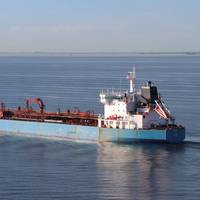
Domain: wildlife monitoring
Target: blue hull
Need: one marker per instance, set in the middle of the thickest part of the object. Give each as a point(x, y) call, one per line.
point(89, 133)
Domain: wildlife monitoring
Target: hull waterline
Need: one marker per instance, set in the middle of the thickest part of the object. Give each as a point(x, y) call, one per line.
point(92, 133)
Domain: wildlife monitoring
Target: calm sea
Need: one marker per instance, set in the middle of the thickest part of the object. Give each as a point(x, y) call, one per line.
point(38, 168)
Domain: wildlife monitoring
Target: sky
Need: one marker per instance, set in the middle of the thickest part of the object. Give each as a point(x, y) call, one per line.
point(99, 25)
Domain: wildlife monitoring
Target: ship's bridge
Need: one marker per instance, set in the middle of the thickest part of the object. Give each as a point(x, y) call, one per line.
point(114, 103)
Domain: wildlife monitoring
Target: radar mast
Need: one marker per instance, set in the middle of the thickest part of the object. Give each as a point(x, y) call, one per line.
point(131, 77)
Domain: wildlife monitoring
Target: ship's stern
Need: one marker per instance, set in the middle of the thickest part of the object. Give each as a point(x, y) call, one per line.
point(175, 134)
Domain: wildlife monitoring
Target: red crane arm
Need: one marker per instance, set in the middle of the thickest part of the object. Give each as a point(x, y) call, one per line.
point(36, 101)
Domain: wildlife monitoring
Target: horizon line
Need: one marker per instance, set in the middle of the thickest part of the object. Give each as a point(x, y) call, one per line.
point(101, 52)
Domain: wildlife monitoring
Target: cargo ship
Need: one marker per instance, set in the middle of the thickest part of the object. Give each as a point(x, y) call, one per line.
point(129, 116)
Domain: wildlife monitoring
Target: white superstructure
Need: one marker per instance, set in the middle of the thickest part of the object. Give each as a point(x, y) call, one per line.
point(134, 110)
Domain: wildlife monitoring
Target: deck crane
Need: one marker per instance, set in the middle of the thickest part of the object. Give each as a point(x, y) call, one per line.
point(36, 101)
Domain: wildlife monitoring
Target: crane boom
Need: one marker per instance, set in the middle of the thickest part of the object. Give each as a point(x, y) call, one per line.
point(37, 101)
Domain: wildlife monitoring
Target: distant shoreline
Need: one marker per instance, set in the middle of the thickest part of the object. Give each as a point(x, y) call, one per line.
point(75, 54)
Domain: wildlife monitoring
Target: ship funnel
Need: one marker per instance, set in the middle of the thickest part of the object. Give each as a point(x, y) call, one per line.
point(131, 77)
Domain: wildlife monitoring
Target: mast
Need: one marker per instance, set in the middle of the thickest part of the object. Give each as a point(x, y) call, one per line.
point(131, 77)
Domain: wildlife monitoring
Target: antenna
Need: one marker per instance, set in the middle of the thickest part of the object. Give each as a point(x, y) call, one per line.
point(120, 82)
point(131, 77)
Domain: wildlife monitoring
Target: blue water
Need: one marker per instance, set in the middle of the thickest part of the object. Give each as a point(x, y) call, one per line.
point(37, 168)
